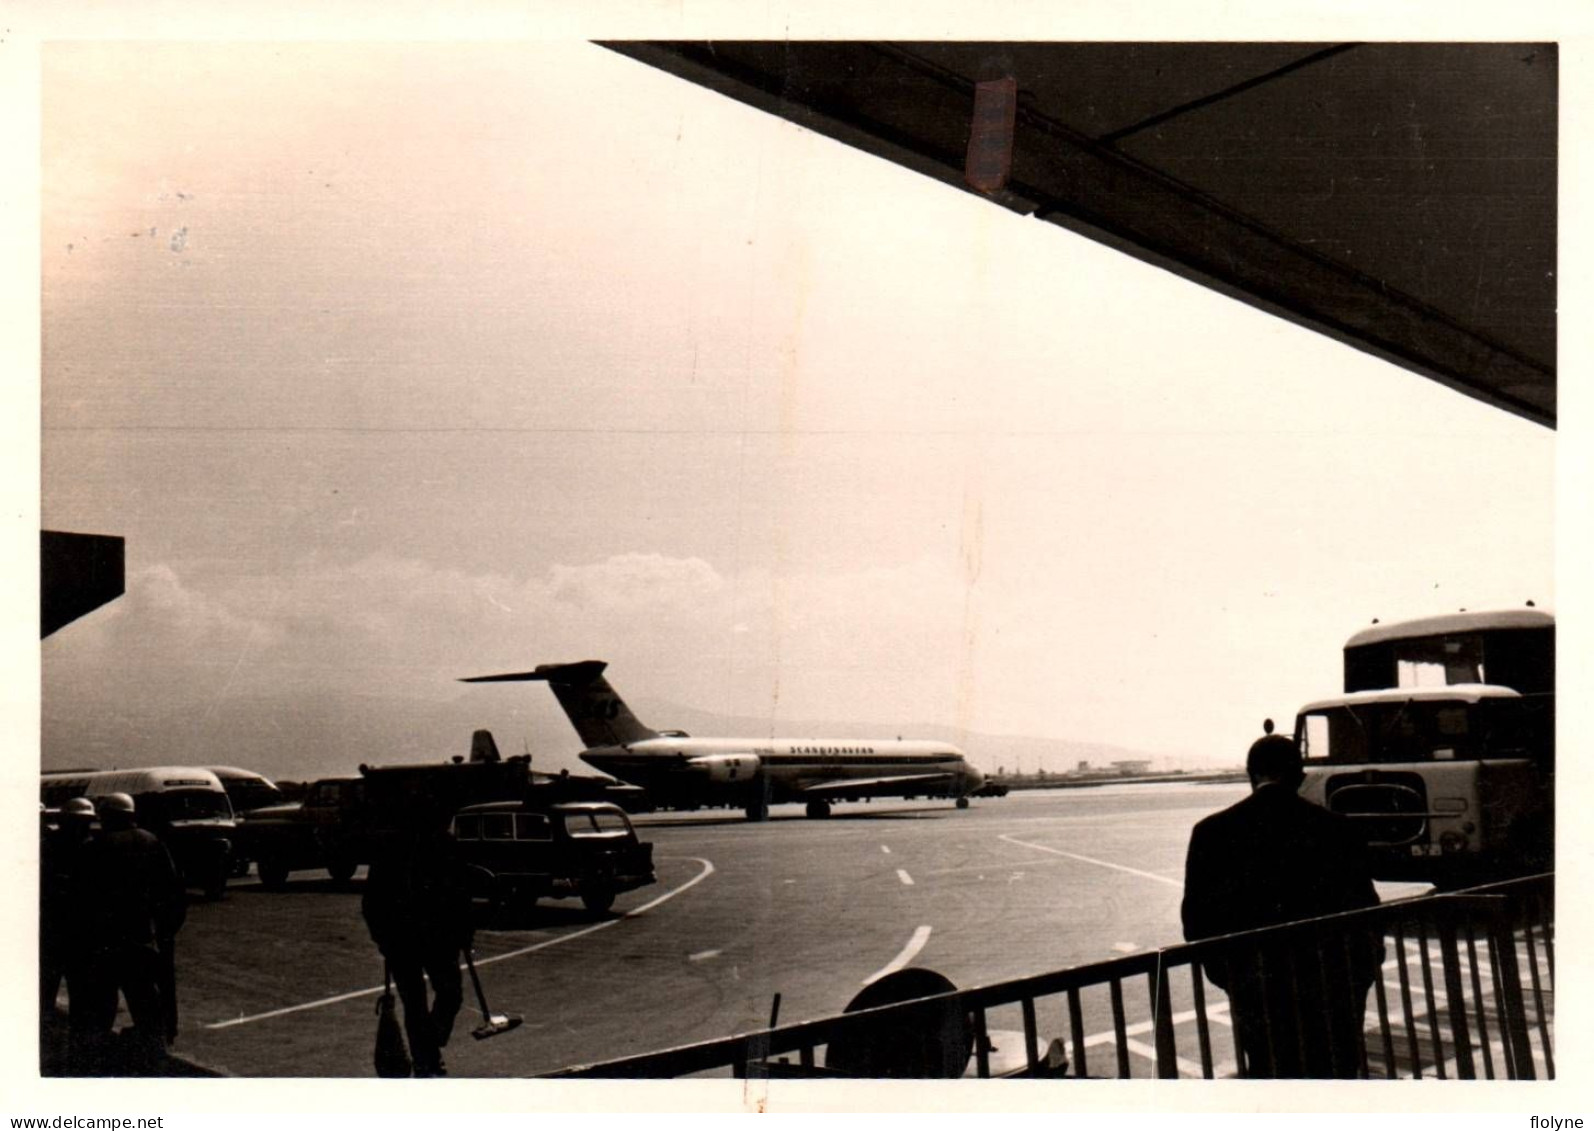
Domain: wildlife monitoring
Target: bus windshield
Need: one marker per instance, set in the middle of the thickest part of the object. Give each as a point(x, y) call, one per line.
point(191, 805)
point(1426, 731)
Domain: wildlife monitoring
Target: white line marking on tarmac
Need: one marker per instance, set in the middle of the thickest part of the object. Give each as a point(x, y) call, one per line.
point(915, 944)
point(702, 955)
point(1092, 860)
point(708, 870)
point(1125, 947)
point(904, 877)
point(886, 848)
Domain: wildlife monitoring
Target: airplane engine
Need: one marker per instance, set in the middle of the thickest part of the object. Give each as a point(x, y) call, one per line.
point(728, 769)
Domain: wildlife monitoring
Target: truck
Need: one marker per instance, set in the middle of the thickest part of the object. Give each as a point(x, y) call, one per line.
point(330, 828)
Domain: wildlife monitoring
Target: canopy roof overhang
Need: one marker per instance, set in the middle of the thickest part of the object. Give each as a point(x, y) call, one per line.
point(1398, 197)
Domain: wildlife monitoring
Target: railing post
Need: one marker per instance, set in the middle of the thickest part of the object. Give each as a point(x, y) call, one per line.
point(1121, 1036)
point(1433, 1003)
point(1480, 1005)
point(1410, 1020)
point(1031, 1035)
point(1538, 999)
point(1076, 1030)
point(1450, 963)
point(1203, 1031)
point(1162, 1023)
point(1384, 1033)
point(1508, 991)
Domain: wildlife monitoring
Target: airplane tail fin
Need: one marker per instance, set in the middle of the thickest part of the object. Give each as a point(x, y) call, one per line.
point(595, 709)
point(483, 748)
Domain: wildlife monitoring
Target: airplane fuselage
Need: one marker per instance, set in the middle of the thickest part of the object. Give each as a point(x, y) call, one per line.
point(785, 768)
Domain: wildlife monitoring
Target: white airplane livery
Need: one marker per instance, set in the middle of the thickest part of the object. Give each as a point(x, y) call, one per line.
point(678, 769)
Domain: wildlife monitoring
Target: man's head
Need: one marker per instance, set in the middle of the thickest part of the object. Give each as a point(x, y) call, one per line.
point(116, 811)
point(1274, 760)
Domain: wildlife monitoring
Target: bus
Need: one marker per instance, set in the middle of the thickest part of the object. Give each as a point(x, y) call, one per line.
point(185, 806)
point(1442, 747)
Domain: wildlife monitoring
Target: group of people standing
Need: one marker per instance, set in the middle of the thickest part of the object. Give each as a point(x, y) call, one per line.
point(110, 905)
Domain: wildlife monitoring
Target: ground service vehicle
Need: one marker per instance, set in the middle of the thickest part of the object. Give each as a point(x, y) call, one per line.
point(525, 851)
point(328, 829)
point(185, 806)
point(337, 823)
point(1448, 768)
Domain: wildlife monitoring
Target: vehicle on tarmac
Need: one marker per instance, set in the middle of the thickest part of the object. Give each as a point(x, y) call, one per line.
point(524, 851)
point(679, 771)
point(184, 806)
point(338, 822)
point(1442, 748)
point(246, 789)
point(329, 828)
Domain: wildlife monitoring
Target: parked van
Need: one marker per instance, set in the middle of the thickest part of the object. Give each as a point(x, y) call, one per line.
point(528, 851)
point(185, 806)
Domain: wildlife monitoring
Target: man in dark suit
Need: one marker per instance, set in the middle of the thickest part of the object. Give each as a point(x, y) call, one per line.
point(417, 907)
point(1298, 1001)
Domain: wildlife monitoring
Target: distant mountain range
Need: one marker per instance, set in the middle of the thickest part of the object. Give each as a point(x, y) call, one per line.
point(321, 734)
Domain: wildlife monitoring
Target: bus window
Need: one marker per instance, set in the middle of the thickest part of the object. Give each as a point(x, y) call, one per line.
point(609, 822)
point(498, 826)
point(189, 804)
point(1314, 739)
point(468, 828)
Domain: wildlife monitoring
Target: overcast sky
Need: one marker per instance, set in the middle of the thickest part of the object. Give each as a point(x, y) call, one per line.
point(400, 363)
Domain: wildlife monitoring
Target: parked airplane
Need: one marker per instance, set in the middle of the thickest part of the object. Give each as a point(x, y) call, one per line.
point(753, 772)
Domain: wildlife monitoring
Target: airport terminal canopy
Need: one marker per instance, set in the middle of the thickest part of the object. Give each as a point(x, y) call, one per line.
point(1399, 197)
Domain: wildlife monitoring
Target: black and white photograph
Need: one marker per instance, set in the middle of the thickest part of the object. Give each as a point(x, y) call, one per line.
point(770, 560)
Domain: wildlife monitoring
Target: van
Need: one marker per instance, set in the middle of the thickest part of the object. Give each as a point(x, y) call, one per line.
point(185, 806)
point(526, 851)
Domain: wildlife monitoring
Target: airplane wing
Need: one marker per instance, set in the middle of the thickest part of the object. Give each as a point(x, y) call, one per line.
point(874, 787)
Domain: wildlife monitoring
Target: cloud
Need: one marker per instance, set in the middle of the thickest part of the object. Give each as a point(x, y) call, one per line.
point(875, 644)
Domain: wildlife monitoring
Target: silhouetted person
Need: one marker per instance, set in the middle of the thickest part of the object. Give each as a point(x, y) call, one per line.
point(1298, 1003)
point(417, 906)
point(61, 920)
point(132, 897)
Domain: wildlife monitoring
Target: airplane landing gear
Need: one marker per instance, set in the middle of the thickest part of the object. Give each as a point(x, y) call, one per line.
point(963, 803)
point(758, 810)
point(818, 810)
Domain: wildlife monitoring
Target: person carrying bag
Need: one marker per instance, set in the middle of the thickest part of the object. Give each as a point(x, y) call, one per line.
point(392, 1057)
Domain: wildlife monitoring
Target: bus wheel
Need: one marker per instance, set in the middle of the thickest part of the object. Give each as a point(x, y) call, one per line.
point(597, 900)
point(273, 873)
point(963, 803)
point(818, 810)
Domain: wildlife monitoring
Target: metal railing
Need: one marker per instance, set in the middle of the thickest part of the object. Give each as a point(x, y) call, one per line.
point(1462, 987)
